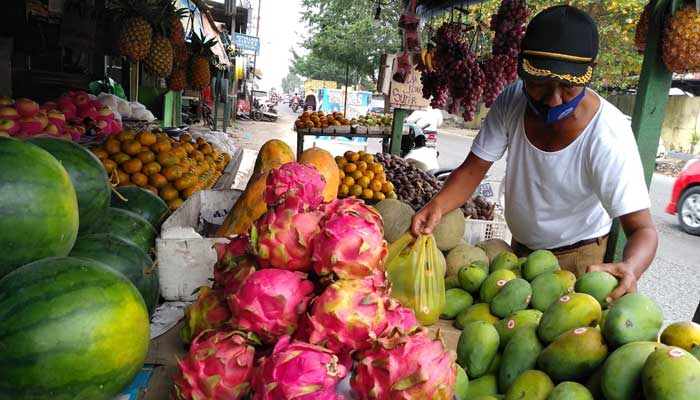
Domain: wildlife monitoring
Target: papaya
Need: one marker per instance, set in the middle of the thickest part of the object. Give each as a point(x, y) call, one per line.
point(570, 391)
point(519, 355)
point(621, 375)
point(546, 290)
point(507, 327)
point(505, 260)
point(598, 284)
point(567, 279)
point(685, 335)
point(515, 296)
point(456, 301)
point(482, 387)
point(326, 166)
point(632, 318)
point(451, 282)
point(273, 154)
point(493, 284)
point(461, 384)
point(471, 278)
point(530, 385)
point(574, 310)
point(246, 210)
point(477, 312)
point(539, 262)
point(575, 355)
point(477, 347)
point(671, 373)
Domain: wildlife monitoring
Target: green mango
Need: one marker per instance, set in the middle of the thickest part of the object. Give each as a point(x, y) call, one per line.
point(593, 385)
point(461, 384)
point(456, 301)
point(515, 296)
point(491, 397)
point(598, 284)
point(484, 386)
point(574, 355)
point(546, 290)
point(621, 375)
point(539, 262)
point(481, 264)
point(495, 364)
point(671, 373)
point(494, 283)
point(603, 317)
point(477, 312)
point(476, 348)
point(452, 282)
point(633, 318)
point(470, 278)
point(507, 327)
point(570, 391)
point(521, 261)
point(567, 279)
point(530, 385)
point(505, 260)
point(520, 355)
point(573, 310)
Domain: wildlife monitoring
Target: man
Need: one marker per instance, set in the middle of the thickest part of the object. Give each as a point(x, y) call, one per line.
point(573, 162)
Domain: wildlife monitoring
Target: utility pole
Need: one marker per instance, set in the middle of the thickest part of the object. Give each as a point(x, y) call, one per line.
point(257, 34)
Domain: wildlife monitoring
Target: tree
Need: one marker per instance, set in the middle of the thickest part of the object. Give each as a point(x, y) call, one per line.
point(291, 83)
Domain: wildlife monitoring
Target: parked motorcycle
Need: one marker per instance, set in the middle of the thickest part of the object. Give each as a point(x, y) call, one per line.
point(263, 112)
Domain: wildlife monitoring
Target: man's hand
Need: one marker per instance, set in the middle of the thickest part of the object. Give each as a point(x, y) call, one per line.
point(627, 279)
point(426, 219)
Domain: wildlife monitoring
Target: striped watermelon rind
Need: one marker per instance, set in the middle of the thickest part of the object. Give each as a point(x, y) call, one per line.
point(129, 226)
point(142, 202)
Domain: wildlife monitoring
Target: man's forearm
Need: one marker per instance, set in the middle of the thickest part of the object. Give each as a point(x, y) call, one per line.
point(640, 250)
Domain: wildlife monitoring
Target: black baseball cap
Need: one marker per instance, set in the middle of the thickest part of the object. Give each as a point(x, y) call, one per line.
point(560, 43)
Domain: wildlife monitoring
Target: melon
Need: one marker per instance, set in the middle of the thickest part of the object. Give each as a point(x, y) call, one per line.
point(450, 231)
point(463, 256)
point(396, 218)
point(494, 247)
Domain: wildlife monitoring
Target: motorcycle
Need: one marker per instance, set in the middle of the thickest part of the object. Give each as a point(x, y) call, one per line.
point(295, 105)
point(263, 112)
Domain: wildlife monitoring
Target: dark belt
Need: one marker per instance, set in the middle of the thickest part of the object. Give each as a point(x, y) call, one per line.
point(578, 244)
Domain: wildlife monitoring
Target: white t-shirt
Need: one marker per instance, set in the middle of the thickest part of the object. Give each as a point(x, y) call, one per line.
point(554, 199)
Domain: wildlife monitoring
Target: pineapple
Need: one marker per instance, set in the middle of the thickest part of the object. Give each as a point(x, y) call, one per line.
point(640, 35)
point(177, 80)
point(681, 41)
point(135, 38)
point(199, 73)
point(175, 28)
point(180, 54)
point(160, 57)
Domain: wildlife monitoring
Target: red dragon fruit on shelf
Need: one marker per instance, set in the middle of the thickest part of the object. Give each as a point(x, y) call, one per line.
point(299, 371)
point(351, 243)
point(300, 184)
point(269, 303)
point(210, 311)
point(219, 366)
point(405, 367)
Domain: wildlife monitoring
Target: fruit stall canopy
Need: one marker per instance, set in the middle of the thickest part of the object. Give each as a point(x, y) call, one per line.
point(200, 20)
point(429, 8)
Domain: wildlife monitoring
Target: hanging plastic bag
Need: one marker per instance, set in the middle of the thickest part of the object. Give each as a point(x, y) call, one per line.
point(416, 273)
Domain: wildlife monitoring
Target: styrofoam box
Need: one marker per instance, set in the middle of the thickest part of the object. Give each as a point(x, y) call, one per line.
point(185, 258)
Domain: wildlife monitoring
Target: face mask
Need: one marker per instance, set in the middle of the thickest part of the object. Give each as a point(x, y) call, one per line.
point(553, 114)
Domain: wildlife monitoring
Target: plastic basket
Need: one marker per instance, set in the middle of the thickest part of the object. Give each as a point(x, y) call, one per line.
point(479, 230)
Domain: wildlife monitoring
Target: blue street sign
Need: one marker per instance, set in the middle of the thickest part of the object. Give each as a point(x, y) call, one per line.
point(245, 42)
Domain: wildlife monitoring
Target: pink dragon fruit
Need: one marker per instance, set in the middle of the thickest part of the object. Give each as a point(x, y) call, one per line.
point(232, 251)
point(299, 184)
point(398, 317)
point(406, 367)
point(347, 316)
point(269, 303)
point(298, 371)
point(235, 264)
point(351, 242)
point(209, 312)
point(219, 366)
point(285, 238)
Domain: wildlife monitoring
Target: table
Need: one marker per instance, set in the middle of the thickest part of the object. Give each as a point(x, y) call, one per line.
point(302, 133)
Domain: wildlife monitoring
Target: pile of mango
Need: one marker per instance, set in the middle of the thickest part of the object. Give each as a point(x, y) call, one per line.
point(533, 331)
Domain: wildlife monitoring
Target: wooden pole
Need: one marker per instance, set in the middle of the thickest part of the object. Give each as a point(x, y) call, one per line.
point(345, 105)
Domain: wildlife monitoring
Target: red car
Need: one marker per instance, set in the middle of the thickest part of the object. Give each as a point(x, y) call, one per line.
point(685, 199)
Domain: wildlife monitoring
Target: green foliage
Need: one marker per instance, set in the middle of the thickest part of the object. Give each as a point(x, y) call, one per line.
point(291, 83)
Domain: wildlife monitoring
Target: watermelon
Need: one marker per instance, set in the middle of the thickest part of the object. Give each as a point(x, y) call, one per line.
point(87, 174)
point(38, 207)
point(72, 328)
point(124, 257)
point(129, 226)
point(141, 201)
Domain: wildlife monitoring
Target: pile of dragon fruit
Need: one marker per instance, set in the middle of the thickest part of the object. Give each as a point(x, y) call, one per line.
point(70, 117)
point(301, 302)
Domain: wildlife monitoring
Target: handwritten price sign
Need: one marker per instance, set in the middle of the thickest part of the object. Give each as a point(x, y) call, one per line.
point(408, 95)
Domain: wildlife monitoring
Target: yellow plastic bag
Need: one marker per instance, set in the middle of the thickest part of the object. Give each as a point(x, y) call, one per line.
point(417, 276)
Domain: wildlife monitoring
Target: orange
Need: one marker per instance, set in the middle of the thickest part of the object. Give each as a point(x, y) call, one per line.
point(139, 179)
point(152, 189)
point(361, 165)
point(151, 168)
point(201, 141)
point(168, 193)
point(387, 187)
point(340, 160)
point(122, 177)
point(157, 180)
point(342, 174)
point(375, 185)
point(348, 181)
point(100, 153)
point(227, 157)
point(185, 181)
point(377, 168)
point(363, 182)
point(367, 194)
point(146, 138)
point(368, 174)
point(356, 190)
point(350, 167)
point(121, 158)
point(109, 165)
point(161, 146)
point(356, 175)
point(351, 156)
point(185, 137)
point(172, 172)
point(112, 146)
point(190, 190)
point(167, 159)
point(197, 155)
point(125, 135)
point(179, 151)
point(381, 177)
point(188, 147)
point(206, 149)
point(146, 156)
point(175, 203)
point(379, 196)
point(368, 158)
point(132, 166)
point(343, 190)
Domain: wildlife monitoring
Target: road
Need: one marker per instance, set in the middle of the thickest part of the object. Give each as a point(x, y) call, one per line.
point(673, 280)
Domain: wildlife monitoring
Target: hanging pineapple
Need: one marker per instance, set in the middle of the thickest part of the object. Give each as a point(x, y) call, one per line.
point(681, 40)
point(640, 35)
point(177, 80)
point(159, 60)
point(136, 33)
point(177, 31)
point(199, 68)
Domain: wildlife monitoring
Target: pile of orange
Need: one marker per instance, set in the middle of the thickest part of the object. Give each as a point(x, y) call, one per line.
point(363, 178)
point(172, 169)
point(318, 119)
